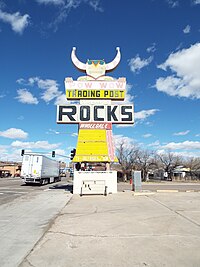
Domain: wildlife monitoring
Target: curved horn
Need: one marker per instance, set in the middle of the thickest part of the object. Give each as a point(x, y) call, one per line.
point(81, 66)
point(113, 64)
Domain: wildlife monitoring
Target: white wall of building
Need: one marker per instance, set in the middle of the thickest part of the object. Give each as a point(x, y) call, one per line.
point(109, 178)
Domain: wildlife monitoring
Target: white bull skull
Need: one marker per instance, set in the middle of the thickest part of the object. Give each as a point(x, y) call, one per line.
point(96, 68)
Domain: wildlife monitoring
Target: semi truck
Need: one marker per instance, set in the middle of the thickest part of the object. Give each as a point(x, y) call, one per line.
point(39, 169)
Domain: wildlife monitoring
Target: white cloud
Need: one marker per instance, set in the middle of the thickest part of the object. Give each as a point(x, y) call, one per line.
point(50, 87)
point(21, 118)
point(50, 90)
point(3, 149)
point(128, 97)
point(155, 144)
point(24, 96)
point(147, 135)
point(61, 100)
point(185, 80)
point(14, 133)
point(187, 154)
point(143, 114)
point(152, 48)
point(61, 155)
point(22, 81)
point(74, 134)
point(182, 133)
point(17, 21)
point(196, 2)
point(136, 63)
point(35, 145)
point(53, 2)
point(121, 139)
point(187, 29)
point(66, 6)
point(124, 125)
point(60, 152)
point(52, 131)
point(186, 145)
point(10, 155)
point(95, 5)
point(173, 3)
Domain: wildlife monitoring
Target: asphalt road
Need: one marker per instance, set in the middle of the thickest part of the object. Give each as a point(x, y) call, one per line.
point(163, 185)
point(12, 188)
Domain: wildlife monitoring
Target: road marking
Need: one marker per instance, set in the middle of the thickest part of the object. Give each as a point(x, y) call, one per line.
point(15, 188)
point(167, 191)
point(14, 192)
point(143, 193)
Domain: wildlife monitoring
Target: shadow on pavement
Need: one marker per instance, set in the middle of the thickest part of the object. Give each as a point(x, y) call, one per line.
point(66, 187)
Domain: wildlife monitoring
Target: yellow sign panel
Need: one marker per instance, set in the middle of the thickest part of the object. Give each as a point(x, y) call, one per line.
point(96, 135)
point(92, 146)
point(95, 94)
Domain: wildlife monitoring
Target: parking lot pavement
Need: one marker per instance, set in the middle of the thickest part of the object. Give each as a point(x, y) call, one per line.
point(24, 220)
point(161, 229)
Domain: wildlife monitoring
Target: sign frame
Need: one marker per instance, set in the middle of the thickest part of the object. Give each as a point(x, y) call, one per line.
point(116, 114)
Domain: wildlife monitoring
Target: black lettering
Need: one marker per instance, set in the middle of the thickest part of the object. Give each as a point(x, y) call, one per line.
point(98, 94)
point(84, 93)
point(96, 118)
point(105, 93)
point(84, 110)
point(92, 94)
point(126, 113)
point(69, 113)
point(79, 93)
point(111, 113)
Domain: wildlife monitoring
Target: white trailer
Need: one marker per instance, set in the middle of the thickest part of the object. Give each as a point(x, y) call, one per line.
point(39, 169)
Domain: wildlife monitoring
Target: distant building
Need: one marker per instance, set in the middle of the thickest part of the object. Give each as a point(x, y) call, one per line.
point(180, 172)
point(8, 169)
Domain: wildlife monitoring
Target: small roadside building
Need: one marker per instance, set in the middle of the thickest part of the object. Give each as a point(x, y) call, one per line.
point(8, 169)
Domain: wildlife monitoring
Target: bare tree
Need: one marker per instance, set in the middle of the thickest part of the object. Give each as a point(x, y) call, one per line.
point(169, 161)
point(194, 167)
point(126, 157)
point(144, 161)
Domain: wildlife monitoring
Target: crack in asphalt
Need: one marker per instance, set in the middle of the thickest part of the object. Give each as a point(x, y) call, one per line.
point(121, 236)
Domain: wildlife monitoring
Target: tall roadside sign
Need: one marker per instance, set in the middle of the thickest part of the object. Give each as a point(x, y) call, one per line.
point(98, 109)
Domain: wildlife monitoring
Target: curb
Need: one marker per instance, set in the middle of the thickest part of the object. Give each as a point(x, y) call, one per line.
point(167, 191)
point(143, 193)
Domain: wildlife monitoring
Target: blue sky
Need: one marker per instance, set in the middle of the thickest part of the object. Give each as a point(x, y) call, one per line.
point(160, 46)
